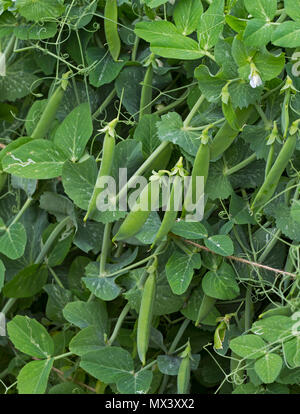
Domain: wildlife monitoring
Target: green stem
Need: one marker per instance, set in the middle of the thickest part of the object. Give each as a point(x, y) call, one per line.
point(148, 366)
point(63, 356)
point(8, 305)
point(269, 247)
point(240, 165)
point(178, 336)
point(143, 168)
point(118, 325)
point(248, 309)
point(267, 123)
point(105, 248)
point(22, 211)
point(132, 266)
point(9, 47)
point(193, 111)
point(56, 277)
point(173, 105)
point(51, 239)
point(104, 104)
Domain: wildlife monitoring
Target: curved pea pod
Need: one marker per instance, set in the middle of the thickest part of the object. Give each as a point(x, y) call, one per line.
point(268, 188)
point(171, 212)
point(184, 373)
point(50, 110)
point(111, 28)
point(145, 316)
point(226, 134)
point(137, 217)
point(105, 169)
point(200, 169)
point(205, 308)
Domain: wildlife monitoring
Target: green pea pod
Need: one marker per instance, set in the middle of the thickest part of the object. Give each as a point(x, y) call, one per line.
point(111, 28)
point(49, 113)
point(205, 308)
point(171, 213)
point(285, 117)
point(105, 169)
point(146, 95)
point(184, 373)
point(200, 169)
point(145, 316)
point(269, 186)
point(138, 215)
point(226, 134)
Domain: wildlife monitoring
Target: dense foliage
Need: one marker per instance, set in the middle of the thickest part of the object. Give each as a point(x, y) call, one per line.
point(96, 302)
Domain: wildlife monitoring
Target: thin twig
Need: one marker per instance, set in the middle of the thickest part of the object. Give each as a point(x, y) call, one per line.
point(239, 259)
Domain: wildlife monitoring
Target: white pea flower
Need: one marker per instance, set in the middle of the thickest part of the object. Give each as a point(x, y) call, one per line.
point(255, 79)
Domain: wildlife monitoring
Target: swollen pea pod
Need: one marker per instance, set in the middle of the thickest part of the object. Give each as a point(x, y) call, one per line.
point(184, 373)
point(111, 28)
point(205, 308)
point(52, 106)
point(146, 313)
point(200, 169)
point(139, 213)
point(106, 165)
point(269, 186)
point(226, 135)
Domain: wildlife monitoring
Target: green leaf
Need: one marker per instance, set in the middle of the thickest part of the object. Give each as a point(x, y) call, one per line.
point(211, 25)
point(291, 351)
point(40, 9)
point(258, 33)
point(268, 367)
point(186, 15)
point(33, 377)
point(79, 180)
point(169, 365)
point(146, 133)
point(83, 314)
point(28, 31)
point(242, 95)
point(264, 9)
point(292, 8)
point(7, 24)
point(170, 128)
point(132, 75)
point(154, 3)
point(30, 337)
point(269, 66)
point(220, 244)
point(189, 230)
point(105, 70)
point(210, 85)
point(248, 346)
point(287, 34)
point(166, 40)
point(87, 340)
point(17, 83)
point(28, 282)
point(274, 328)
point(103, 287)
point(221, 284)
point(180, 270)
point(58, 297)
point(37, 159)
point(107, 364)
point(135, 383)
point(73, 133)
point(13, 241)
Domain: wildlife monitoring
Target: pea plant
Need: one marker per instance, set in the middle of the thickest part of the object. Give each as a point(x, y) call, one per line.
point(149, 301)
